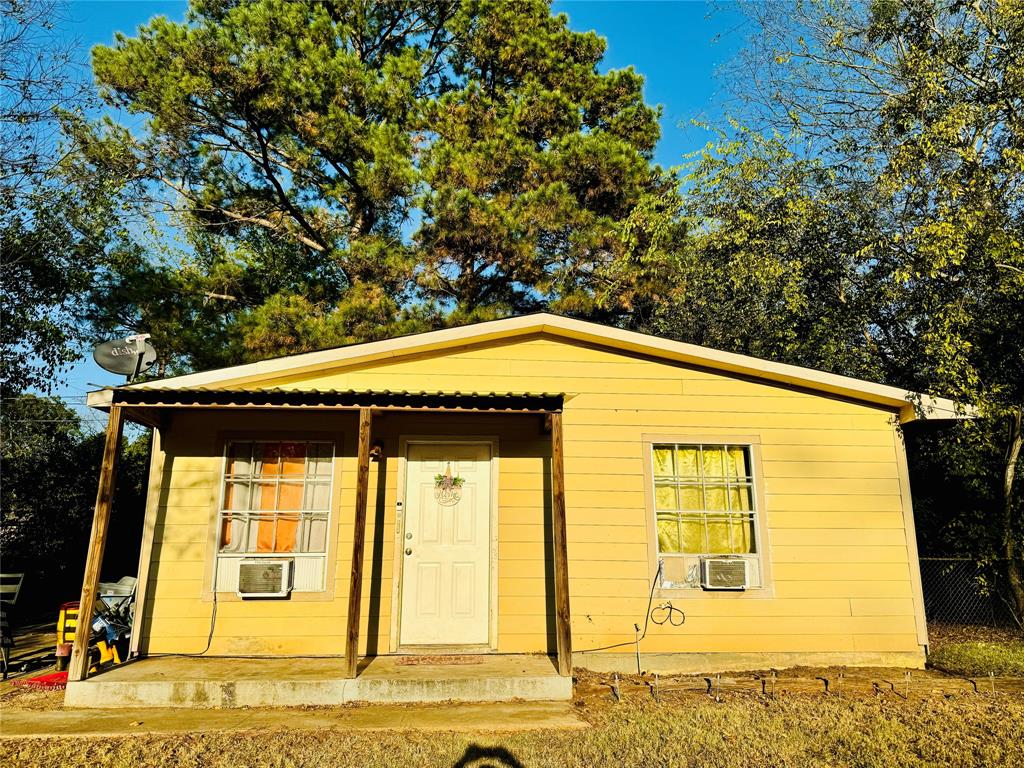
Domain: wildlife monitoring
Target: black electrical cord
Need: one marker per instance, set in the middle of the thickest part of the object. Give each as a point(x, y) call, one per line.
point(647, 617)
point(213, 624)
point(209, 637)
point(209, 643)
point(669, 617)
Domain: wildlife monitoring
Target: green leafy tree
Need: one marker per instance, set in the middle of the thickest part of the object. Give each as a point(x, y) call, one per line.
point(922, 103)
point(49, 242)
point(47, 498)
point(47, 265)
point(771, 265)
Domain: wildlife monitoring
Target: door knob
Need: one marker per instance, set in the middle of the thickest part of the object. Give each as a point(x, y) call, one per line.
point(408, 550)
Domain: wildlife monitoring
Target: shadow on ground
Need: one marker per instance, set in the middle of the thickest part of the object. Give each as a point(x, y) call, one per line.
point(477, 756)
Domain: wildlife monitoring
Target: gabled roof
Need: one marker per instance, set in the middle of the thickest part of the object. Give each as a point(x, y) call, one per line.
point(910, 405)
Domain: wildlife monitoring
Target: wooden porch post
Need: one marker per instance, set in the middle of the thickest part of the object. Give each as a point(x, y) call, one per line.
point(78, 667)
point(563, 630)
point(355, 591)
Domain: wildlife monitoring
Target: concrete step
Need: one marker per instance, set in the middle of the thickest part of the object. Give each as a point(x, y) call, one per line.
point(226, 683)
point(518, 716)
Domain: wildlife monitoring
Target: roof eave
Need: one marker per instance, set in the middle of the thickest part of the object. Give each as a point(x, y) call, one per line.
point(926, 408)
point(100, 399)
point(909, 405)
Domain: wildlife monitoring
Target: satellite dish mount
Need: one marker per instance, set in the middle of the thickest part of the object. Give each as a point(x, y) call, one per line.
point(140, 353)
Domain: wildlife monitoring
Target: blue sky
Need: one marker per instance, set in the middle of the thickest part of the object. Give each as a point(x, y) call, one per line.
point(678, 46)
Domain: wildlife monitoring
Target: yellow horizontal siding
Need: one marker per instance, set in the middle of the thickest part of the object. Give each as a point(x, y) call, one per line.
point(844, 588)
point(713, 424)
point(746, 642)
point(824, 520)
point(829, 537)
point(761, 609)
point(839, 571)
point(290, 645)
point(825, 502)
point(636, 570)
point(834, 554)
point(719, 398)
point(779, 626)
point(863, 606)
point(836, 542)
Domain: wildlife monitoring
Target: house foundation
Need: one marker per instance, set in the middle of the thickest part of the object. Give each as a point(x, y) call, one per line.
point(281, 682)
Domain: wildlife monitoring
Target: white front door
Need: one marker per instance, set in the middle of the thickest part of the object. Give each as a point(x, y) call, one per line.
point(446, 546)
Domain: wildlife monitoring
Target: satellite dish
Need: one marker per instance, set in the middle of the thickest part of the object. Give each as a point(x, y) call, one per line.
point(129, 356)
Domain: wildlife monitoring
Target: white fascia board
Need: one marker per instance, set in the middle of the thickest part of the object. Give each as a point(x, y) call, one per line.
point(100, 398)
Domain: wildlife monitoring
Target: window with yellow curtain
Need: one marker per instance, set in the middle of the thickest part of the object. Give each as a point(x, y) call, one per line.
point(704, 500)
point(276, 497)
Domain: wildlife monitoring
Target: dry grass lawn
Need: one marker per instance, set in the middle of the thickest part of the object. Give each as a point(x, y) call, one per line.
point(870, 717)
point(683, 728)
point(976, 651)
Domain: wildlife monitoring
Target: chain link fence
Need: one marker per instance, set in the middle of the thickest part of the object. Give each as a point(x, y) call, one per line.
point(958, 591)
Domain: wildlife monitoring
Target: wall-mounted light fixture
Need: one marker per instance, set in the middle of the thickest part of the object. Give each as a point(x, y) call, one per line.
point(377, 450)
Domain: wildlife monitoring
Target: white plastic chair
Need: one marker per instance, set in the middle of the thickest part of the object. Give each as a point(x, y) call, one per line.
point(10, 587)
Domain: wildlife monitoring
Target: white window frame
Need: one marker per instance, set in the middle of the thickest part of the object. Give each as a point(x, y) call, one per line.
point(690, 562)
point(224, 578)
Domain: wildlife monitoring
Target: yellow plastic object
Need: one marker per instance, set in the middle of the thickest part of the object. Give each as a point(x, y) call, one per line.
point(100, 653)
point(108, 653)
point(67, 623)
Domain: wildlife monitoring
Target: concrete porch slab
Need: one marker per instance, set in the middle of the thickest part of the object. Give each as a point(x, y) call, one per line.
point(226, 683)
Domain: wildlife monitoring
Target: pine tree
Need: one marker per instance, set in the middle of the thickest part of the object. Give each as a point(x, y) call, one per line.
point(348, 170)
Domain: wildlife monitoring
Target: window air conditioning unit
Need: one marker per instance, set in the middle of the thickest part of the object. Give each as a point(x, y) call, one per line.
point(723, 573)
point(264, 578)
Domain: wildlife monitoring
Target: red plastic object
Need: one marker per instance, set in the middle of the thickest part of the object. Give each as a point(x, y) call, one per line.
point(56, 681)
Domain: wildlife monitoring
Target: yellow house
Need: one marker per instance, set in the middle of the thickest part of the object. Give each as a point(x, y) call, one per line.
point(533, 485)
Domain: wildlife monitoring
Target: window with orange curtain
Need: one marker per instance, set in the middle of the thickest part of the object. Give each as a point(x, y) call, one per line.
point(704, 500)
point(276, 497)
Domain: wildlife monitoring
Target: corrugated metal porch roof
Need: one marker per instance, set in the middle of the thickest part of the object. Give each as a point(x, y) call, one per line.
point(349, 399)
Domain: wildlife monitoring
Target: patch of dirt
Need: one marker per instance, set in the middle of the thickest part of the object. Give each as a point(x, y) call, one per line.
point(33, 651)
point(33, 699)
point(599, 690)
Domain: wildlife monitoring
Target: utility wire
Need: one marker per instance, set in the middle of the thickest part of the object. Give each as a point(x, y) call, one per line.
point(647, 617)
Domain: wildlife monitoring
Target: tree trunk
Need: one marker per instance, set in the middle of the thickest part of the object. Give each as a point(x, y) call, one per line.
point(1014, 574)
